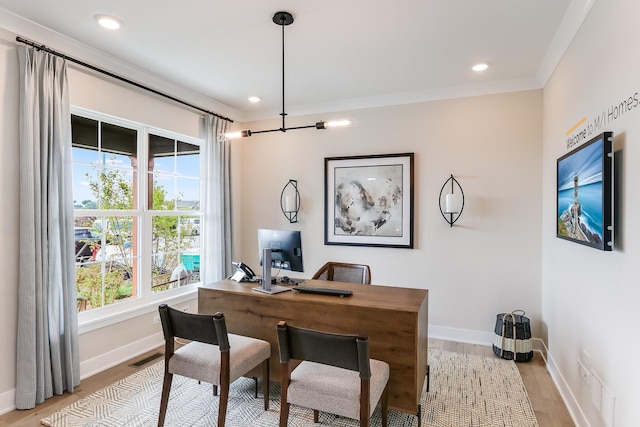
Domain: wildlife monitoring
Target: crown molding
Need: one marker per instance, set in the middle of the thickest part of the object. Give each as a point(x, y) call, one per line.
point(573, 19)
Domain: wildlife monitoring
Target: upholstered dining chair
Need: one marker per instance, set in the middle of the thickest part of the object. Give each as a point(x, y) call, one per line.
point(344, 272)
point(212, 355)
point(335, 374)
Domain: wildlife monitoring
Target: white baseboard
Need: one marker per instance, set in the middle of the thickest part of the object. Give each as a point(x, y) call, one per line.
point(578, 416)
point(471, 336)
point(120, 355)
point(7, 401)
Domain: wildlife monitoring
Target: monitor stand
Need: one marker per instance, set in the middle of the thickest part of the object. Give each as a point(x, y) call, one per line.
point(267, 287)
point(273, 289)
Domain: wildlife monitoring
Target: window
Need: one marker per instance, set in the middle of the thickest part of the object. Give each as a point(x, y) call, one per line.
point(136, 238)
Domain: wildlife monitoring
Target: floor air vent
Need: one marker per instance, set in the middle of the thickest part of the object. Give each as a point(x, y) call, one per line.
point(146, 360)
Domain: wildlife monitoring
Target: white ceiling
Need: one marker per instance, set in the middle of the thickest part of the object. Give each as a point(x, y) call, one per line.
point(339, 54)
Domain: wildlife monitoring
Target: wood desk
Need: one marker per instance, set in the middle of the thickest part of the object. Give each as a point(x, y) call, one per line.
point(394, 319)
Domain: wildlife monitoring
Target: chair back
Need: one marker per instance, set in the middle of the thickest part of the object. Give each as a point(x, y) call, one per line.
point(194, 327)
point(340, 350)
point(344, 272)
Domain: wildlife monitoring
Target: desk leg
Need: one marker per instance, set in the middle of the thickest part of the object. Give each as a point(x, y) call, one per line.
point(428, 378)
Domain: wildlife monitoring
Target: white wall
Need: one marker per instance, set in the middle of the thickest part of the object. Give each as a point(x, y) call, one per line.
point(590, 298)
point(488, 263)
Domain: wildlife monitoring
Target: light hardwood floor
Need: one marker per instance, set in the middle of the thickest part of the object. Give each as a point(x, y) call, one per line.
point(545, 399)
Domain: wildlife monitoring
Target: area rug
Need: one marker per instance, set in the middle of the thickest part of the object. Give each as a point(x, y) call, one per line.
point(465, 390)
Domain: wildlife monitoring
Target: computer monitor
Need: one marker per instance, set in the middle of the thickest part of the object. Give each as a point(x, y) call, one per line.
point(286, 248)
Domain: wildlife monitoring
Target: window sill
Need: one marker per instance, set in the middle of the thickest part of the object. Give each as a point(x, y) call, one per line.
point(91, 323)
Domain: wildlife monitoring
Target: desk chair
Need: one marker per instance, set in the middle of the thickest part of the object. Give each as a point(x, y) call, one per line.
point(344, 272)
point(212, 356)
point(335, 375)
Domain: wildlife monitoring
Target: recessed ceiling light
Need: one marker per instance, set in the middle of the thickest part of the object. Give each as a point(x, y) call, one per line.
point(107, 21)
point(254, 99)
point(480, 67)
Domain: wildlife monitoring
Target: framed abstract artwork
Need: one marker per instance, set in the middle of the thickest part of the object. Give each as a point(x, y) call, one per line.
point(369, 200)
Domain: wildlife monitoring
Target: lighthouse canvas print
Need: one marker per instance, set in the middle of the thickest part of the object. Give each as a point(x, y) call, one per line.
point(584, 200)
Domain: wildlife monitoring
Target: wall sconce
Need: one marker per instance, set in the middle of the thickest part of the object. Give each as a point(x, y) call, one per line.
point(290, 201)
point(453, 202)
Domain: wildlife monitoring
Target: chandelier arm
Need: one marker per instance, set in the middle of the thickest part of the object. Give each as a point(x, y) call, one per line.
point(284, 129)
point(253, 132)
point(300, 127)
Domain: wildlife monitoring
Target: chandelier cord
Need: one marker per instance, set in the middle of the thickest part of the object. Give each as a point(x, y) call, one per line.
point(282, 24)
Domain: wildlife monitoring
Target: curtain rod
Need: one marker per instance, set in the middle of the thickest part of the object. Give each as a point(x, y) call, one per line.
point(117, 77)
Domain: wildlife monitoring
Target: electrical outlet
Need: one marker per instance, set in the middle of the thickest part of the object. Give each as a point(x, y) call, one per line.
point(584, 373)
point(185, 309)
point(156, 319)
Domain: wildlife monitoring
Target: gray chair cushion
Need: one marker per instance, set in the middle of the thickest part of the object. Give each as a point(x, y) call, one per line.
point(335, 390)
point(201, 361)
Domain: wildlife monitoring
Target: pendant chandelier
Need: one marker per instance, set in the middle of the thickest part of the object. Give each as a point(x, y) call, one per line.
point(283, 19)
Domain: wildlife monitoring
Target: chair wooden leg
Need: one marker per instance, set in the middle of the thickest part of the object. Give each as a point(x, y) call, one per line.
point(284, 414)
point(225, 381)
point(316, 416)
point(164, 400)
point(284, 405)
point(255, 387)
point(222, 406)
point(215, 390)
point(265, 383)
point(365, 402)
point(384, 401)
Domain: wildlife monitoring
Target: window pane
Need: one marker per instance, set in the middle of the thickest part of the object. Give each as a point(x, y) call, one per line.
point(176, 251)
point(168, 160)
point(115, 188)
point(119, 140)
point(188, 160)
point(102, 283)
point(161, 154)
point(164, 192)
point(84, 132)
point(188, 190)
point(191, 262)
point(106, 259)
point(104, 164)
point(84, 197)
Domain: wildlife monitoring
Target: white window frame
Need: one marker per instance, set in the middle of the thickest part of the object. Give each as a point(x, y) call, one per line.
point(147, 301)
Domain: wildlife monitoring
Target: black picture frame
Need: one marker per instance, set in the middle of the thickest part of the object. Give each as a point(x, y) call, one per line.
point(368, 200)
point(584, 193)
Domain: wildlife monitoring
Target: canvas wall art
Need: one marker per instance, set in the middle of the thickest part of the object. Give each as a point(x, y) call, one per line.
point(369, 200)
point(585, 190)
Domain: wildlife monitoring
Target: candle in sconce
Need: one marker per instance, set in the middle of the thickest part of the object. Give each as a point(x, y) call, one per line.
point(290, 204)
point(451, 203)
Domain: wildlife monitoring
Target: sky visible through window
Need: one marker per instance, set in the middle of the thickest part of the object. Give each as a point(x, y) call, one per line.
point(186, 168)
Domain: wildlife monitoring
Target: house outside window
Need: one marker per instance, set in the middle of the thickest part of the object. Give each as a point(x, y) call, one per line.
point(137, 210)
